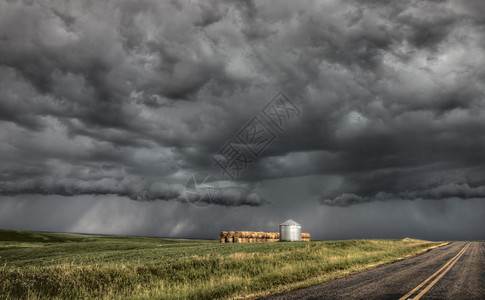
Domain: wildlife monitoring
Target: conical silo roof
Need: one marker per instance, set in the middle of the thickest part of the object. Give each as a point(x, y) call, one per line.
point(290, 222)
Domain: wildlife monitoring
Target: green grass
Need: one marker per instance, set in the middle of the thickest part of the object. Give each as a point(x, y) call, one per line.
point(67, 266)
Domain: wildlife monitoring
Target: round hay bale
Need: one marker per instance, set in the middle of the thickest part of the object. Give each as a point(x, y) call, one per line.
point(253, 237)
point(222, 236)
point(230, 237)
point(237, 237)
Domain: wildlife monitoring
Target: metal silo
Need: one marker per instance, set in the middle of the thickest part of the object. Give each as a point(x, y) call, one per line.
point(290, 231)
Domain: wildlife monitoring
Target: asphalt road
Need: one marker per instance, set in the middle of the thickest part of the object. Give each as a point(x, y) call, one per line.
point(455, 271)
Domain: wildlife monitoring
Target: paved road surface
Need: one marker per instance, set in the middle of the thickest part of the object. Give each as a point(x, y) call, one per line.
point(455, 271)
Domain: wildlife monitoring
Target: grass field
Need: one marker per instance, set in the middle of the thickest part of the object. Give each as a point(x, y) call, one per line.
point(66, 266)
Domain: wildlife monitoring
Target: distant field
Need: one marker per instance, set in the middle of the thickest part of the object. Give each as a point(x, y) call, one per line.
point(34, 265)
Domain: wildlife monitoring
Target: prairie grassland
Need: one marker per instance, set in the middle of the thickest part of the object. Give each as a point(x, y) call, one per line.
point(67, 266)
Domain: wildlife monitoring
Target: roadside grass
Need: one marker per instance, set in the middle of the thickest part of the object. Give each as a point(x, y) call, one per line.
point(41, 265)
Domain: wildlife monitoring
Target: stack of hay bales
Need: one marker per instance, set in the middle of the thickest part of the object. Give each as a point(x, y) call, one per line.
point(259, 237)
point(242, 236)
point(226, 237)
point(230, 237)
point(273, 236)
point(254, 237)
point(222, 236)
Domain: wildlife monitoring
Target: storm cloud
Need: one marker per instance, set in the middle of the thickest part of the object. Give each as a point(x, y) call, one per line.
point(127, 100)
point(452, 190)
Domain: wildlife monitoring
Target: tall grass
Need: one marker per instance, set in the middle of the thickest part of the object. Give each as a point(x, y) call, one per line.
point(75, 266)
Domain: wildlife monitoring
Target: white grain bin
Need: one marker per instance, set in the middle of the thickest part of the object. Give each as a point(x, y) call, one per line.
point(290, 231)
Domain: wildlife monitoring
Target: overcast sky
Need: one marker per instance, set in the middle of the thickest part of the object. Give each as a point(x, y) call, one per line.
point(107, 108)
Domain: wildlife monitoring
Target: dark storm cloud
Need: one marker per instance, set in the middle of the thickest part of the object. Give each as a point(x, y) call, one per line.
point(237, 196)
point(132, 189)
point(135, 190)
point(447, 191)
point(130, 99)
